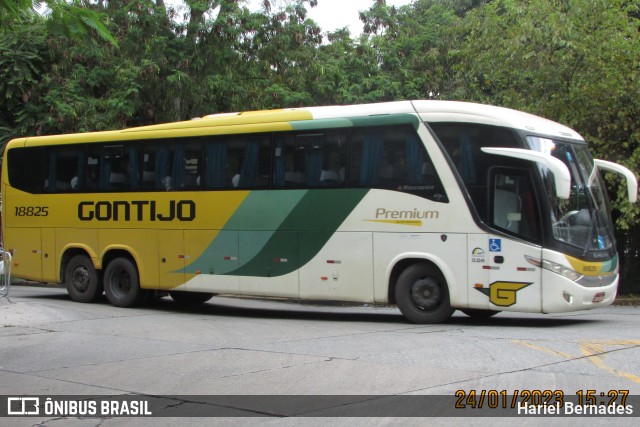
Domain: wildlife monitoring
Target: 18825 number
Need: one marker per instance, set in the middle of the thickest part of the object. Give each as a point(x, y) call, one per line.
point(32, 210)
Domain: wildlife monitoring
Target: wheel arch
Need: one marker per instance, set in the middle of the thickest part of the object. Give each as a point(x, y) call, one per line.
point(400, 263)
point(71, 251)
point(114, 252)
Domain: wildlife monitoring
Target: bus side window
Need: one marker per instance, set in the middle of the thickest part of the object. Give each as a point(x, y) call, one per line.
point(394, 158)
point(186, 164)
point(289, 162)
point(463, 143)
point(157, 161)
point(63, 169)
point(26, 166)
point(118, 168)
point(248, 161)
point(160, 165)
point(307, 160)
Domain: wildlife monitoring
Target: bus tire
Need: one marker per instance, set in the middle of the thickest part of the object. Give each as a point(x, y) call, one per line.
point(190, 298)
point(82, 280)
point(422, 294)
point(121, 283)
point(479, 313)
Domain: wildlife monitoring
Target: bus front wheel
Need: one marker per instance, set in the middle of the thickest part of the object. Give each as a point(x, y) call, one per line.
point(422, 294)
point(82, 280)
point(121, 283)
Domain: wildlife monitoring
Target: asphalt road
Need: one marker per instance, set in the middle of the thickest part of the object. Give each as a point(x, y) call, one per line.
point(50, 345)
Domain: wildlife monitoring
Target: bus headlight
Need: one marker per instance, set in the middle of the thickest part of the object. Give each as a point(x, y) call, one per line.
point(561, 270)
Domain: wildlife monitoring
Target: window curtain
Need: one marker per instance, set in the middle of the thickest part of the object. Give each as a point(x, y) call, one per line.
point(415, 159)
point(80, 172)
point(279, 164)
point(467, 166)
point(105, 172)
point(162, 164)
point(178, 169)
point(371, 156)
point(314, 166)
point(133, 167)
point(248, 170)
point(216, 164)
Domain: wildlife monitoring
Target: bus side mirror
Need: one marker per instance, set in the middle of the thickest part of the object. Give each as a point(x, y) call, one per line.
point(632, 182)
point(561, 175)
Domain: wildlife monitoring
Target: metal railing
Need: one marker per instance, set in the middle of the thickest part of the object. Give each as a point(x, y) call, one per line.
point(5, 272)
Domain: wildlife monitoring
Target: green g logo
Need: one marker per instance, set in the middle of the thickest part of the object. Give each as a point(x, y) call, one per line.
point(503, 294)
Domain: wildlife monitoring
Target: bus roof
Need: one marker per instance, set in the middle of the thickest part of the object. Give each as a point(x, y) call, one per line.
point(274, 120)
point(453, 111)
point(437, 111)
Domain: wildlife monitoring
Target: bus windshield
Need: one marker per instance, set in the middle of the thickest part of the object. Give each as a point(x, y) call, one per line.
point(582, 220)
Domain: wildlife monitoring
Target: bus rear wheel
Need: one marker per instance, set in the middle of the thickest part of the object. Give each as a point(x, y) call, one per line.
point(121, 283)
point(82, 280)
point(422, 294)
point(190, 298)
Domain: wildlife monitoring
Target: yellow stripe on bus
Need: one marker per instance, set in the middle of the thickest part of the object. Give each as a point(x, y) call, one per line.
point(586, 268)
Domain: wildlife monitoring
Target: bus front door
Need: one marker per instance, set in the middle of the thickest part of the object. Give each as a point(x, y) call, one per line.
point(514, 278)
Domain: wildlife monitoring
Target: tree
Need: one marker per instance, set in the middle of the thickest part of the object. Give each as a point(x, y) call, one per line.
point(23, 60)
point(15, 7)
point(414, 47)
point(575, 62)
point(73, 20)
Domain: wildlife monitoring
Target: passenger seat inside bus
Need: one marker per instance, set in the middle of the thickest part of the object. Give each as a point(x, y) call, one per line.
point(329, 178)
point(117, 181)
point(507, 211)
point(148, 180)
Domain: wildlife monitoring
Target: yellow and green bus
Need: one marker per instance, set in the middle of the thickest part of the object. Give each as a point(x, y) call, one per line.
point(430, 205)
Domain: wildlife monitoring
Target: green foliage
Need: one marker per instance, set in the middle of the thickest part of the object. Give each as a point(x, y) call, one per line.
point(574, 61)
point(77, 22)
point(14, 8)
point(73, 20)
point(22, 63)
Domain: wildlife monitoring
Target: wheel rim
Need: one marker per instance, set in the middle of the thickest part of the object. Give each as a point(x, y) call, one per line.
point(81, 279)
point(426, 293)
point(120, 283)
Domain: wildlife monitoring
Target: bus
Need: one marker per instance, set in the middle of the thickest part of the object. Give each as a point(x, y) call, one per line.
point(433, 206)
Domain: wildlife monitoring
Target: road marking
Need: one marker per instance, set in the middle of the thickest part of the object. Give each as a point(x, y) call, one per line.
point(594, 352)
point(543, 349)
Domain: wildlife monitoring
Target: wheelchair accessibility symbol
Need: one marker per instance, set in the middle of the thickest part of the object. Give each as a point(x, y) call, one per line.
point(495, 245)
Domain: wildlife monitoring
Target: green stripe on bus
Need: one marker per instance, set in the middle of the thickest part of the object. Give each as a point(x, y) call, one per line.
point(611, 265)
point(250, 228)
point(387, 120)
point(264, 210)
point(377, 120)
point(303, 233)
point(321, 124)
